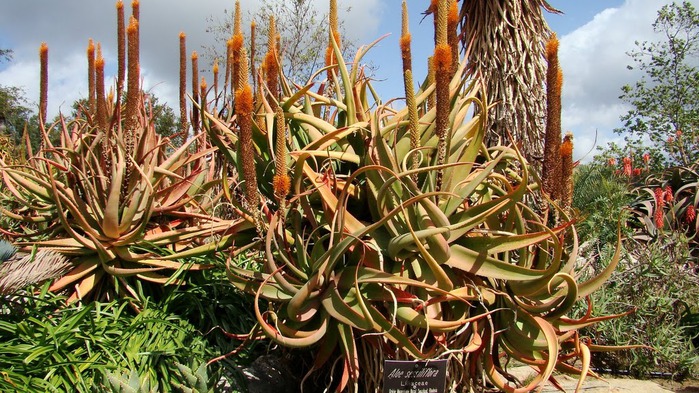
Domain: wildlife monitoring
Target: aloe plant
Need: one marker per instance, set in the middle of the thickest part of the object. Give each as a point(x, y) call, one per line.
point(378, 255)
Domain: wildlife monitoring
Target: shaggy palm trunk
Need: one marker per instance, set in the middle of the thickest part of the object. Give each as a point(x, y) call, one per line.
point(506, 39)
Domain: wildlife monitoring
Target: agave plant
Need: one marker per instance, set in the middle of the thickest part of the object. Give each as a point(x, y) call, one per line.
point(406, 238)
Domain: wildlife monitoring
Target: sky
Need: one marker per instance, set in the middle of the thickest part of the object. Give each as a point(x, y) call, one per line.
point(595, 36)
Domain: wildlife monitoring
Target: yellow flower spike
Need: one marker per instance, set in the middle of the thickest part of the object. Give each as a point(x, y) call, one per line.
point(271, 64)
point(243, 69)
point(452, 36)
point(281, 181)
point(215, 71)
point(229, 65)
point(237, 20)
point(405, 39)
point(195, 91)
point(333, 34)
point(183, 83)
point(253, 28)
point(408, 82)
point(202, 87)
point(432, 99)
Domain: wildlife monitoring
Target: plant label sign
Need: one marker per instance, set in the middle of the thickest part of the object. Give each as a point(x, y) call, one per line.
point(401, 376)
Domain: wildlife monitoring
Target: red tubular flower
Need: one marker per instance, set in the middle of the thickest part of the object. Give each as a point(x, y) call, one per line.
point(627, 166)
point(637, 171)
point(659, 205)
point(668, 194)
point(690, 214)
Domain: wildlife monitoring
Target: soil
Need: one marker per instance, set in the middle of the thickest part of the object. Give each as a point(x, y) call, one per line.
point(685, 386)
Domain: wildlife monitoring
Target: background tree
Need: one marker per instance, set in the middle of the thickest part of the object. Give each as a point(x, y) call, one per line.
point(302, 29)
point(166, 121)
point(15, 113)
point(5, 54)
point(507, 50)
point(665, 106)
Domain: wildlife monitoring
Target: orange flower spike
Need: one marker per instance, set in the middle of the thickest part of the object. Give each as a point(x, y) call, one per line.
point(43, 81)
point(136, 14)
point(136, 9)
point(551, 168)
point(133, 85)
point(133, 55)
point(567, 170)
point(91, 102)
point(121, 47)
point(442, 68)
point(101, 108)
point(246, 148)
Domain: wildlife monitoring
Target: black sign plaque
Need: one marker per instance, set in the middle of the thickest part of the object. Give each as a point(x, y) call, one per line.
point(401, 376)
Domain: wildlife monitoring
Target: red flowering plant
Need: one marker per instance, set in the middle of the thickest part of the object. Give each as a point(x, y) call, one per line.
point(668, 201)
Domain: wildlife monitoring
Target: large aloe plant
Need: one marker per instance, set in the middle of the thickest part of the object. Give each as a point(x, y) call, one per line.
point(375, 252)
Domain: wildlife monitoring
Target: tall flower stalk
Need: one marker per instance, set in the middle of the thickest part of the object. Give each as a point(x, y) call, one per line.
point(551, 171)
point(195, 92)
point(442, 60)
point(408, 82)
point(184, 125)
point(43, 81)
point(91, 101)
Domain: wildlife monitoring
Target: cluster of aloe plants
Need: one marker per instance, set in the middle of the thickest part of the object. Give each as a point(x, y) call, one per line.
point(115, 195)
point(370, 232)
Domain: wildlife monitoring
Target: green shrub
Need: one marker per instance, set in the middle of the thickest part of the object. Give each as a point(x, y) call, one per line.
point(49, 347)
point(653, 280)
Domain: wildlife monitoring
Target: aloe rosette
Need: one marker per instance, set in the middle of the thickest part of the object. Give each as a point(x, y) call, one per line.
point(368, 254)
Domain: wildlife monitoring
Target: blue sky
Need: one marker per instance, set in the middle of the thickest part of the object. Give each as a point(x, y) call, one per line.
point(595, 35)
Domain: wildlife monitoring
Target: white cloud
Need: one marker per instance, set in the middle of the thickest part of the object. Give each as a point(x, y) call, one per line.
point(67, 26)
point(594, 60)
